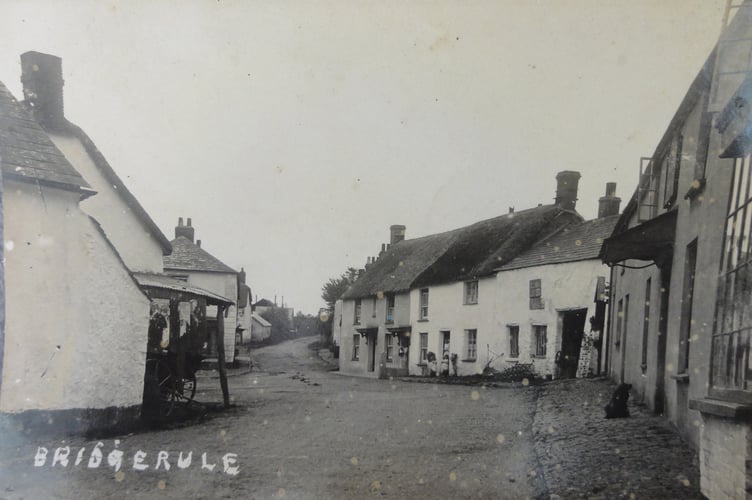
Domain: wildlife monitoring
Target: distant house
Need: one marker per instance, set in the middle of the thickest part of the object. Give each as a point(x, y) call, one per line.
point(75, 317)
point(192, 264)
point(458, 293)
point(680, 280)
point(260, 328)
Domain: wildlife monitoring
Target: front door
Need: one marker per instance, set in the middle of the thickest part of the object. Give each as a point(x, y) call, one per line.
point(372, 335)
point(444, 345)
point(573, 324)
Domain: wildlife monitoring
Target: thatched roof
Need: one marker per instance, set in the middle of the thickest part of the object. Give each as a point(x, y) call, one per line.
point(469, 252)
point(571, 244)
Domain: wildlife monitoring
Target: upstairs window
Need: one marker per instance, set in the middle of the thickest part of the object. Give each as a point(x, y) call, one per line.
point(424, 303)
point(390, 308)
point(358, 310)
point(471, 292)
point(536, 302)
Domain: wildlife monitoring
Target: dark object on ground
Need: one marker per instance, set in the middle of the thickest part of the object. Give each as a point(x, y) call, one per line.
point(617, 407)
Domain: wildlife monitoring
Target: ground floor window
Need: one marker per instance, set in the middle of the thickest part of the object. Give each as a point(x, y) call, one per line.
point(389, 347)
point(540, 339)
point(471, 341)
point(356, 347)
point(423, 347)
point(514, 341)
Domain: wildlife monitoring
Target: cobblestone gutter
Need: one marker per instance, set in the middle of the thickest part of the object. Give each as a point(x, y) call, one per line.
point(583, 455)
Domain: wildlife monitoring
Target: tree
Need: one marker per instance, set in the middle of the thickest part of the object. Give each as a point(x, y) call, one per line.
point(336, 287)
point(281, 325)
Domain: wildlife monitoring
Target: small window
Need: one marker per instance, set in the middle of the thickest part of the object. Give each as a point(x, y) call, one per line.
point(471, 341)
point(356, 348)
point(471, 292)
point(358, 310)
point(514, 341)
point(535, 294)
point(389, 347)
point(424, 303)
point(540, 338)
point(390, 308)
point(423, 347)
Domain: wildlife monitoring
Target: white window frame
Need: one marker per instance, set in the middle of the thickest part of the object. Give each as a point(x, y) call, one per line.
point(471, 292)
point(471, 344)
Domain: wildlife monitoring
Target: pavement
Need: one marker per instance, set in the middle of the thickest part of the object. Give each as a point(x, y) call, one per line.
point(584, 455)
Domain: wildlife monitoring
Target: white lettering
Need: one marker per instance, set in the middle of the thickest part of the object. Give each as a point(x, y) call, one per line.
point(206, 466)
point(96, 456)
point(41, 457)
point(115, 459)
point(61, 456)
point(80, 456)
point(228, 460)
point(162, 459)
point(184, 463)
point(138, 461)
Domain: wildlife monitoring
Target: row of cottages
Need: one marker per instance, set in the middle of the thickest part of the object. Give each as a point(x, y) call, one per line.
point(681, 287)
point(518, 288)
point(78, 242)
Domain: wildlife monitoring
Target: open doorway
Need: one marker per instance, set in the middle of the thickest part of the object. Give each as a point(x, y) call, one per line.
point(573, 328)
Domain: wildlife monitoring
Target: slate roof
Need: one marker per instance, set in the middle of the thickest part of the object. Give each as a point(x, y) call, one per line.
point(469, 252)
point(26, 150)
point(264, 303)
point(570, 244)
point(187, 256)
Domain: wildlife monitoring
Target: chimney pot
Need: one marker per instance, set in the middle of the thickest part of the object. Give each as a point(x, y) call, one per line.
point(42, 79)
point(189, 221)
point(397, 233)
point(198, 243)
point(609, 205)
point(566, 189)
point(511, 210)
point(185, 231)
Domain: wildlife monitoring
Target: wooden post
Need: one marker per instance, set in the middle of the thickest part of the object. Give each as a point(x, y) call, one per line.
point(221, 355)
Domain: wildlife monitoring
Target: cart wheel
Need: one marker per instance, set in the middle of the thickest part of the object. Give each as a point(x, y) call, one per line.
point(158, 374)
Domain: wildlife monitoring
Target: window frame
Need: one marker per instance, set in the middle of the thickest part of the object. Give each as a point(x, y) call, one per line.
point(423, 348)
point(356, 347)
point(390, 302)
point(513, 334)
point(423, 305)
point(389, 347)
point(357, 312)
point(471, 344)
point(536, 294)
point(537, 344)
point(470, 298)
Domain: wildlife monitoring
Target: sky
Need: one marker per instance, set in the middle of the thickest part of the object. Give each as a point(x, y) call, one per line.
point(295, 133)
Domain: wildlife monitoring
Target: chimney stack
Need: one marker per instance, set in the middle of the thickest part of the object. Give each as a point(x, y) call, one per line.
point(185, 231)
point(566, 189)
point(511, 210)
point(609, 205)
point(241, 274)
point(397, 233)
point(198, 243)
point(42, 79)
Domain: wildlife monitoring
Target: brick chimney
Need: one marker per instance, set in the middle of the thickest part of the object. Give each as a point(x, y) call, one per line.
point(566, 189)
point(186, 231)
point(397, 233)
point(609, 204)
point(42, 79)
point(241, 276)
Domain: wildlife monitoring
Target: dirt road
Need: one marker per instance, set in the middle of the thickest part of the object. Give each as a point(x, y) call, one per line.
point(300, 431)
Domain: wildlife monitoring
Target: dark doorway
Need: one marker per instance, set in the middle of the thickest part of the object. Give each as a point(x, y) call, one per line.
point(444, 344)
point(573, 324)
point(371, 337)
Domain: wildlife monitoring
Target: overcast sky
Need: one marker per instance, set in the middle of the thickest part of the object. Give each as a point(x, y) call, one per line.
point(295, 133)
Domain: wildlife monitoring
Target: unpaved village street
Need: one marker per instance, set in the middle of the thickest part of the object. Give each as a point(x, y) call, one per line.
point(300, 431)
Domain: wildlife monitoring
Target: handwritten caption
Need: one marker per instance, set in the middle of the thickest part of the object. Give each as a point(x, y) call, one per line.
point(64, 456)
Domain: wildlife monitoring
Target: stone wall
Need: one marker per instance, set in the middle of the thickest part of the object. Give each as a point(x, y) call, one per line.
point(725, 458)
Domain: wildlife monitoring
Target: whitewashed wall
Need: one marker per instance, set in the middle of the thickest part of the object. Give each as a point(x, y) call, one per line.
point(76, 322)
point(133, 240)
